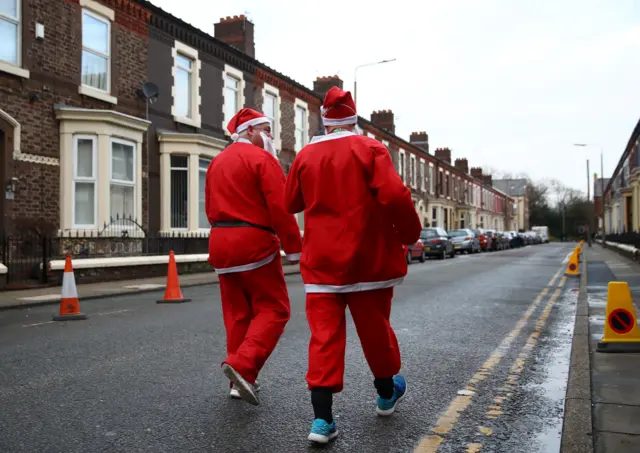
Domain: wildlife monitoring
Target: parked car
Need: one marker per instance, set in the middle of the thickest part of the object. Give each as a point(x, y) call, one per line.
point(516, 239)
point(500, 241)
point(495, 244)
point(437, 242)
point(415, 252)
point(483, 238)
point(465, 240)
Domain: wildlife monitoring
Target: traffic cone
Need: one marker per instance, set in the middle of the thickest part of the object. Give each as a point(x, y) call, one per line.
point(69, 304)
point(573, 268)
point(173, 294)
point(621, 333)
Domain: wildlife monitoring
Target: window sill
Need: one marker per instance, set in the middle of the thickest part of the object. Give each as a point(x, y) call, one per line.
point(188, 121)
point(15, 70)
point(97, 94)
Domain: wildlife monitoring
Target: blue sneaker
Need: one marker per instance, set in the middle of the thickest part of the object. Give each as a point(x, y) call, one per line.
point(388, 406)
point(322, 432)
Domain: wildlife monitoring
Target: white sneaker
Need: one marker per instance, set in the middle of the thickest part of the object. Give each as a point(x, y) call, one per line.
point(246, 391)
point(234, 393)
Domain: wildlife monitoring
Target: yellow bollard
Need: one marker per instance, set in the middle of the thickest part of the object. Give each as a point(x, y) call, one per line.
point(621, 333)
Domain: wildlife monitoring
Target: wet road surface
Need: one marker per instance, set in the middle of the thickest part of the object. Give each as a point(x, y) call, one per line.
point(485, 341)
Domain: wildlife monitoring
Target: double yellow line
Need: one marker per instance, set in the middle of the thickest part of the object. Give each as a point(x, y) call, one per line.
point(432, 442)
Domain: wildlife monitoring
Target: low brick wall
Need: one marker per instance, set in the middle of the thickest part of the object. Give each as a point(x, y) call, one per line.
point(107, 274)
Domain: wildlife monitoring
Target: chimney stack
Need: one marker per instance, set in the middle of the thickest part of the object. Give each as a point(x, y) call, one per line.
point(236, 31)
point(462, 165)
point(444, 154)
point(324, 84)
point(476, 172)
point(421, 140)
point(384, 120)
point(487, 180)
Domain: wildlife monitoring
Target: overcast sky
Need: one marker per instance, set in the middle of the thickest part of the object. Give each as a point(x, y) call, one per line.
point(508, 84)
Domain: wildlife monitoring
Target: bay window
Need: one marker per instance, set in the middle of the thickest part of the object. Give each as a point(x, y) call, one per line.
point(100, 169)
point(179, 191)
point(122, 184)
point(184, 161)
point(203, 220)
point(84, 181)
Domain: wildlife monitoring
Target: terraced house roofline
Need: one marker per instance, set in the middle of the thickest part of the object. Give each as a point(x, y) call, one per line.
point(193, 36)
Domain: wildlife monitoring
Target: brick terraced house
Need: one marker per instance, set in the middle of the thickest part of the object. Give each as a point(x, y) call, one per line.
point(110, 113)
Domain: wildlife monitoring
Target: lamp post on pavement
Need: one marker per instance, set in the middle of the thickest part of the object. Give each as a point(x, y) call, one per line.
point(355, 77)
point(586, 145)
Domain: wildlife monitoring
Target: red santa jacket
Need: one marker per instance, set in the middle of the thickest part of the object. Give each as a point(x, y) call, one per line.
point(245, 183)
point(357, 214)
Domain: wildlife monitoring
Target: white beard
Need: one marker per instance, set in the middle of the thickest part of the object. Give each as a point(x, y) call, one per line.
point(268, 144)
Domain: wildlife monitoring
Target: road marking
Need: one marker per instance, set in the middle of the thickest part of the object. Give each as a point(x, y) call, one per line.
point(96, 314)
point(39, 324)
point(446, 422)
point(566, 258)
point(519, 363)
point(113, 312)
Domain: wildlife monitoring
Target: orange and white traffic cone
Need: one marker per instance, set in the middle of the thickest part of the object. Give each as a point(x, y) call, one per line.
point(173, 294)
point(69, 304)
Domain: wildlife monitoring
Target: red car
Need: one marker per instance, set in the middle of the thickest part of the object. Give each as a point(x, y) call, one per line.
point(415, 252)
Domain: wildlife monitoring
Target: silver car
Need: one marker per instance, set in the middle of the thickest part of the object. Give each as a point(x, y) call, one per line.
point(465, 241)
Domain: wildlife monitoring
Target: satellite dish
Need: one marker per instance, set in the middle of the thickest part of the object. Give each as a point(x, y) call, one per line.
point(150, 91)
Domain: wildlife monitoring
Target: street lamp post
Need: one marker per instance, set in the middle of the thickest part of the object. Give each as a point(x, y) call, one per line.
point(355, 77)
point(585, 145)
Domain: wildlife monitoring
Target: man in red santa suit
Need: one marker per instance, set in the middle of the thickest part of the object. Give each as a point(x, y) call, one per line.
point(244, 200)
point(358, 214)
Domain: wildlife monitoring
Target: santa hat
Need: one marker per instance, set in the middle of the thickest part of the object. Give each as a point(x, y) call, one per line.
point(243, 119)
point(338, 108)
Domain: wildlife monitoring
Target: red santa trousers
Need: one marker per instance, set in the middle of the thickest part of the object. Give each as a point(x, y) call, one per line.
point(255, 308)
point(327, 319)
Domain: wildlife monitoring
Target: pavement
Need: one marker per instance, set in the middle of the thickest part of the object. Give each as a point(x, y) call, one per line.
point(615, 378)
point(51, 295)
point(486, 342)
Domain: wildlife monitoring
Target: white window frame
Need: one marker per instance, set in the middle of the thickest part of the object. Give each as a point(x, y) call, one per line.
point(186, 170)
point(402, 163)
point(276, 130)
point(447, 184)
point(5, 66)
point(299, 103)
point(432, 182)
point(230, 71)
point(412, 170)
point(423, 175)
point(94, 179)
point(106, 15)
point(133, 183)
point(202, 170)
point(195, 118)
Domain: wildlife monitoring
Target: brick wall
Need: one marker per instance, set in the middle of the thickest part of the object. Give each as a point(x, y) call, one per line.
point(55, 64)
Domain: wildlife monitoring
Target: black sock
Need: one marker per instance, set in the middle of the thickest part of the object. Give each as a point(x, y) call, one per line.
point(384, 386)
point(322, 400)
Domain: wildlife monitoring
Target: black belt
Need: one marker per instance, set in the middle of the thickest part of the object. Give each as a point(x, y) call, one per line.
point(240, 223)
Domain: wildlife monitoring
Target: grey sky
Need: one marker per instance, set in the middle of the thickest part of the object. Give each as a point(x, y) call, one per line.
point(507, 84)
